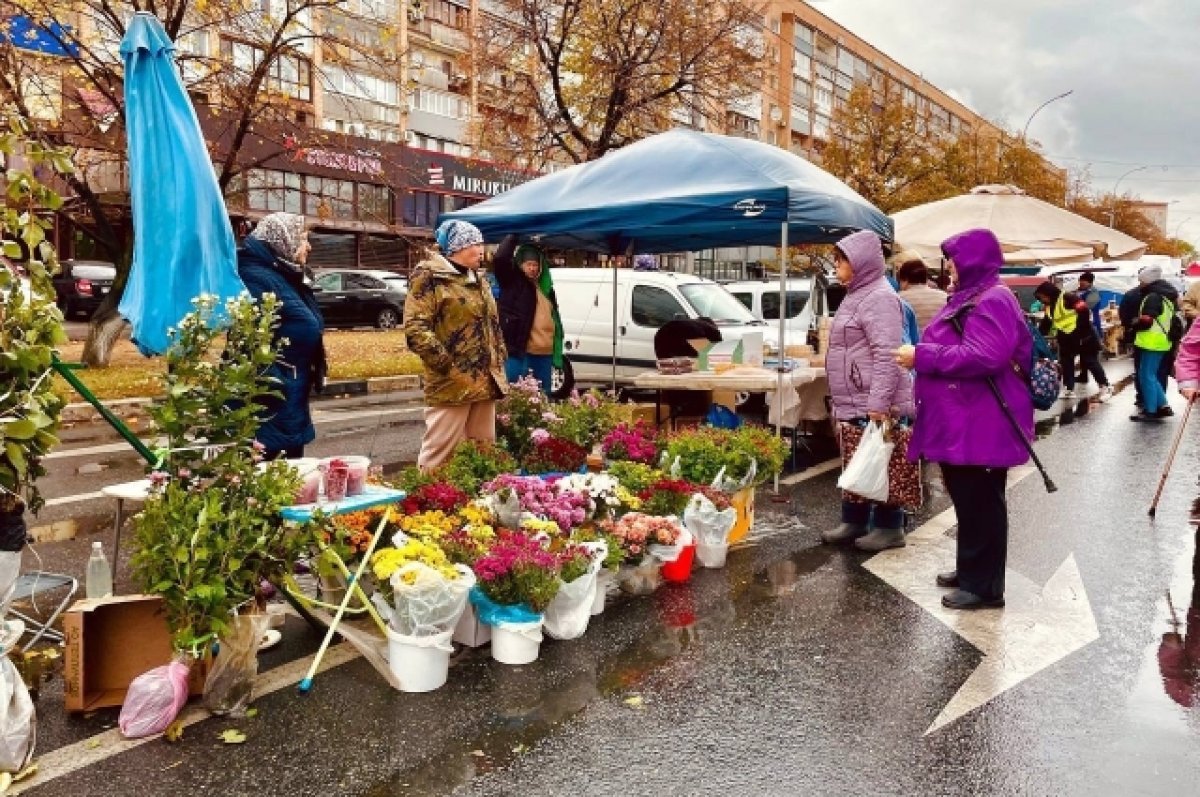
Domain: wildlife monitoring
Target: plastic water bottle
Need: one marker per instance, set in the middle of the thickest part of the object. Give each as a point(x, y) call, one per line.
point(99, 574)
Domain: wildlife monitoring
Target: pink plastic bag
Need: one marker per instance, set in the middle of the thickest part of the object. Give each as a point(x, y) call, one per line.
point(154, 699)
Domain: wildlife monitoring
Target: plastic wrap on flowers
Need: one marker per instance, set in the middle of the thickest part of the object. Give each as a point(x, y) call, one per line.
point(728, 485)
point(642, 578)
point(669, 553)
point(568, 614)
point(426, 602)
point(710, 527)
point(507, 509)
point(154, 699)
point(18, 722)
point(229, 687)
point(494, 614)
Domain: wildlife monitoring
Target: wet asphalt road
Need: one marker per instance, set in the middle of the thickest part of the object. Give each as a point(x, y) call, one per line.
point(792, 671)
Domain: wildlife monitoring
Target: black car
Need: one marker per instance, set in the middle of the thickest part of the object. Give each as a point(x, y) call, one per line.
point(81, 285)
point(358, 297)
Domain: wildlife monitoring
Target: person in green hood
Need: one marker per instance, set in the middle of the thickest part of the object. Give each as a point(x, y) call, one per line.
point(533, 331)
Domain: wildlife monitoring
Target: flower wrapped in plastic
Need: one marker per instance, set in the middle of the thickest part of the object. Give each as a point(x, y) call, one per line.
point(428, 592)
point(606, 496)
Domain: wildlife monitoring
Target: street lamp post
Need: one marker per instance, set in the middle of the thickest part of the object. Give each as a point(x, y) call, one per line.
point(1112, 214)
point(1039, 108)
point(1179, 227)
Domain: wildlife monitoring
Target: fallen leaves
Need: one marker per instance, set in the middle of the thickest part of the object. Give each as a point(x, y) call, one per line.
point(174, 732)
point(635, 702)
point(232, 736)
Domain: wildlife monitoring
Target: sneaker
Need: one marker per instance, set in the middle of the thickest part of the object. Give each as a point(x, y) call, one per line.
point(1106, 393)
point(1067, 395)
point(1146, 416)
point(1165, 412)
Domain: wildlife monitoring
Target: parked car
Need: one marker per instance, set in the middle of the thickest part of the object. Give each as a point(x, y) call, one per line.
point(1023, 286)
point(645, 301)
point(360, 297)
point(761, 297)
point(81, 285)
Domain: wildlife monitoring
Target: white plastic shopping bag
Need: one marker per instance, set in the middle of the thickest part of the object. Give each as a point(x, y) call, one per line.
point(18, 723)
point(867, 473)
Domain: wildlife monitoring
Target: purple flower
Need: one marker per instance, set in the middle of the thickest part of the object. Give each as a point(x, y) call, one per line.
point(539, 435)
point(185, 473)
point(158, 478)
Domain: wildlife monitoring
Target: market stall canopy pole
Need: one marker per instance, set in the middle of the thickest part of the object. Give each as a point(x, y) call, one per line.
point(680, 191)
point(1029, 230)
point(183, 241)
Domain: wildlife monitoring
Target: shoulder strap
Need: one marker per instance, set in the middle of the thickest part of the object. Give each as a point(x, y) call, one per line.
point(957, 321)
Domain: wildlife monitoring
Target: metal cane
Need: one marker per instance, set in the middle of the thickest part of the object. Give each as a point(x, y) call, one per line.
point(1162, 480)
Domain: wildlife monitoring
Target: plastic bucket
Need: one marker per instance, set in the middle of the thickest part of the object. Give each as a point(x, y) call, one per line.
point(712, 556)
point(603, 579)
point(356, 480)
point(680, 570)
point(420, 664)
point(516, 643)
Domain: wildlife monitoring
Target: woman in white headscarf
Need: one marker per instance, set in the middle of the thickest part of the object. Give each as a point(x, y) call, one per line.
point(271, 260)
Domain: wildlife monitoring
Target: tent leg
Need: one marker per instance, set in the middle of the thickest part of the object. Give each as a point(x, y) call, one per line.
point(628, 256)
point(783, 269)
point(67, 372)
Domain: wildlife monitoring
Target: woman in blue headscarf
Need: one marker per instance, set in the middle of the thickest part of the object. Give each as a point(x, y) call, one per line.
point(271, 260)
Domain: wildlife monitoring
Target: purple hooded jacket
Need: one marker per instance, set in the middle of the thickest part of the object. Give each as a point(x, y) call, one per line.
point(959, 421)
point(869, 325)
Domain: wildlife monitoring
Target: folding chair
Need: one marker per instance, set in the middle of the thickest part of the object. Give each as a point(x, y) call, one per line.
point(28, 587)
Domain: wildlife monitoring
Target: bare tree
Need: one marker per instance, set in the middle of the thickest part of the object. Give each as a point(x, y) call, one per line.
point(576, 78)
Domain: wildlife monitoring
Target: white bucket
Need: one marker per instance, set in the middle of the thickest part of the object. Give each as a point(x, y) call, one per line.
point(516, 643)
point(603, 579)
point(712, 556)
point(420, 664)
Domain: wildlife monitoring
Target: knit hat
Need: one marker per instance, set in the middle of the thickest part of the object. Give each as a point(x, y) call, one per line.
point(1088, 277)
point(283, 232)
point(453, 236)
point(1150, 274)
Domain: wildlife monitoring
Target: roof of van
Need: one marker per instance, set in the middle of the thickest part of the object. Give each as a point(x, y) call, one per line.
point(803, 283)
point(605, 275)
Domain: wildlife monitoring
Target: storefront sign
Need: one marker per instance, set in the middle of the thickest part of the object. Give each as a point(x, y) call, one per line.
point(354, 162)
point(453, 175)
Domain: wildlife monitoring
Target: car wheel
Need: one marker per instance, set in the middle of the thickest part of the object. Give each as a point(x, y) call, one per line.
point(562, 381)
point(388, 318)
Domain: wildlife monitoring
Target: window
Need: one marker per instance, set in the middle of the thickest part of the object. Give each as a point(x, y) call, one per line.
point(421, 208)
point(801, 65)
point(714, 302)
point(449, 14)
point(288, 74)
point(441, 103)
point(272, 190)
point(795, 304)
point(329, 282)
point(745, 298)
point(361, 282)
point(374, 203)
point(653, 307)
point(803, 39)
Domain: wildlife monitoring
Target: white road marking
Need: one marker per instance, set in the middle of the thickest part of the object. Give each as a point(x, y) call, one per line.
point(73, 499)
point(95, 749)
point(1037, 627)
point(812, 472)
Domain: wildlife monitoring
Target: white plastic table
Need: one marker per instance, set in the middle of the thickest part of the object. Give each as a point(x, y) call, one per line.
point(127, 491)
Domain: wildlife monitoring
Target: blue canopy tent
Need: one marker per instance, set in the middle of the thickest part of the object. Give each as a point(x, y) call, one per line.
point(183, 241)
point(682, 191)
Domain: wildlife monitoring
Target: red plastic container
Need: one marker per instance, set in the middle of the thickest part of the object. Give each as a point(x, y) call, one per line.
point(680, 570)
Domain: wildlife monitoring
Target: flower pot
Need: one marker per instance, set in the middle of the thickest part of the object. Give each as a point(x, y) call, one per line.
point(420, 664)
point(743, 501)
point(603, 579)
point(516, 643)
point(681, 569)
point(568, 614)
point(712, 556)
point(640, 579)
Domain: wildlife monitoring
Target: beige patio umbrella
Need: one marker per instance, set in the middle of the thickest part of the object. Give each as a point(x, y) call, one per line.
point(1030, 230)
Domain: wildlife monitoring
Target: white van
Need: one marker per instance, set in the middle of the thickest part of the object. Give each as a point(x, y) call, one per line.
point(761, 297)
point(645, 301)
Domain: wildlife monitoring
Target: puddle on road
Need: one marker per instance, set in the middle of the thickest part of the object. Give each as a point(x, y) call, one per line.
point(1074, 410)
point(528, 706)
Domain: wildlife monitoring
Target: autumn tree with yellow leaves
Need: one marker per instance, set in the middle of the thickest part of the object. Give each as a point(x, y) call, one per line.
point(574, 79)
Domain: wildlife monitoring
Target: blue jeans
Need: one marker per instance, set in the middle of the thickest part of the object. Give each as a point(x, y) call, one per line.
point(540, 365)
point(886, 515)
point(1154, 397)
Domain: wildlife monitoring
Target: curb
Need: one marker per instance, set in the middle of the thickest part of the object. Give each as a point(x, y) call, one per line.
point(133, 410)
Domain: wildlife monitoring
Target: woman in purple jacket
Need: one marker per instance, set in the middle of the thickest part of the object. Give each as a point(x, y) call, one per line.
point(864, 381)
point(960, 424)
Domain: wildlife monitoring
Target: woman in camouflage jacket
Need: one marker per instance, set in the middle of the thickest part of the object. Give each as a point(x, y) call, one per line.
point(451, 323)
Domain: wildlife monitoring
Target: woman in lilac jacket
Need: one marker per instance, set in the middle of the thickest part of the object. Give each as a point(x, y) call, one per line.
point(864, 381)
point(960, 424)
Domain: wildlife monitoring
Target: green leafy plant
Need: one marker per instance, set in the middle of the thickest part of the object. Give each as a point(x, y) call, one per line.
point(474, 463)
point(704, 451)
point(30, 325)
point(634, 476)
point(211, 533)
point(584, 419)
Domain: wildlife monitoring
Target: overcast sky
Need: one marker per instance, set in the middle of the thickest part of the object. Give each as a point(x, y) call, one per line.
point(1134, 66)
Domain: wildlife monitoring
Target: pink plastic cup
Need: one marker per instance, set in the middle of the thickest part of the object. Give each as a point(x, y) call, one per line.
point(357, 481)
point(337, 477)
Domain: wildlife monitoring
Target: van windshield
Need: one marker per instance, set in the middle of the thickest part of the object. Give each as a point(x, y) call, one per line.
point(718, 304)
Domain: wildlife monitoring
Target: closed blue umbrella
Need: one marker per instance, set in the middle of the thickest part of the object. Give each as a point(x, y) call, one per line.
point(183, 241)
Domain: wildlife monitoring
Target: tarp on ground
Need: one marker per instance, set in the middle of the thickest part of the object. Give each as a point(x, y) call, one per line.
point(680, 191)
point(183, 242)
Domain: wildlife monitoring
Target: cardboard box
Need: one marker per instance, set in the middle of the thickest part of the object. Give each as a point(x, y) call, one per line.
point(634, 412)
point(111, 641)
